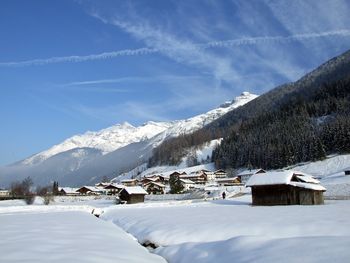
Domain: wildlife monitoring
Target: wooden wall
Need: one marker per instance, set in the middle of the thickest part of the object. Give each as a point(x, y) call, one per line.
point(285, 195)
point(133, 198)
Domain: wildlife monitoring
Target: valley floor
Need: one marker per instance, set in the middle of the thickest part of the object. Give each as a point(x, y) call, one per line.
point(183, 231)
point(64, 233)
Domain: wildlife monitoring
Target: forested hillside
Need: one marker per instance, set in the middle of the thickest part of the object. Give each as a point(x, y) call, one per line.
point(305, 128)
point(295, 122)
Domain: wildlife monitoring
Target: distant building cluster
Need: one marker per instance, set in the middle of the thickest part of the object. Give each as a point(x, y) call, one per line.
point(134, 190)
point(268, 188)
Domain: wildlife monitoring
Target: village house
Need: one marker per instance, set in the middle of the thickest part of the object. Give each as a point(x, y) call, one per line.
point(187, 184)
point(197, 178)
point(177, 174)
point(285, 188)
point(102, 184)
point(113, 189)
point(209, 174)
point(133, 194)
point(154, 178)
point(220, 174)
point(174, 176)
point(68, 191)
point(154, 188)
point(4, 193)
point(246, 174)
point(90, 190)
point(129, 182)
point(229, 181)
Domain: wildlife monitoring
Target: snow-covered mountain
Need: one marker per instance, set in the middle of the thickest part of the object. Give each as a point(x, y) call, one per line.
point(120, 135)
point(86, 158)
point(199, 121)
point(106, 140)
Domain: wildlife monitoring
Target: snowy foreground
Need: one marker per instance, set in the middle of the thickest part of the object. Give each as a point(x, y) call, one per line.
point(64, 234)
point(234, 231)
point(184, 231)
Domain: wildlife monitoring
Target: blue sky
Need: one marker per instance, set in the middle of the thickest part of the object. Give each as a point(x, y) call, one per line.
point(71, 66)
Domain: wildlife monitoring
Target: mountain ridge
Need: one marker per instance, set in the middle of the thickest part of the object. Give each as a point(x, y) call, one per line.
point(102, 155)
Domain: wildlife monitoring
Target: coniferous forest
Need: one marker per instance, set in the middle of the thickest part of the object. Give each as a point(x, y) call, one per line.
point(303, 129)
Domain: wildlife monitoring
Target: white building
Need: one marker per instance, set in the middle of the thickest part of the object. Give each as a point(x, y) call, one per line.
point(246, 174)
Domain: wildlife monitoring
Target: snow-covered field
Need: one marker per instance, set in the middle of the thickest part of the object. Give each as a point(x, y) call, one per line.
point(184, 231)
point(64, 233)
point(232, 230)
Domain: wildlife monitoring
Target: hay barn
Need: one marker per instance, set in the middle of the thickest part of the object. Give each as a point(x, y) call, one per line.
point(133, 194)
point(285, 188)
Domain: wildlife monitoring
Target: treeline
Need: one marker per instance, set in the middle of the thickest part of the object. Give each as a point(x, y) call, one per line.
point(24, 190)
point(303, 128)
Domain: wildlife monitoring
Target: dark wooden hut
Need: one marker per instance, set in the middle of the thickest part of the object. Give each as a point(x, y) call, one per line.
point(285, 188)
point(133, 194)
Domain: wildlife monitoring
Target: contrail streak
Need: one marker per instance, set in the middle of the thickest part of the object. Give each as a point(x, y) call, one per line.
point(209, 45)
point(102, 56)
point(279, 39)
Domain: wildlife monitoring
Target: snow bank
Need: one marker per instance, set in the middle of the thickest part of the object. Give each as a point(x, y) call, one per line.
point(202, 231)
point(260, 249)
point(67, 237)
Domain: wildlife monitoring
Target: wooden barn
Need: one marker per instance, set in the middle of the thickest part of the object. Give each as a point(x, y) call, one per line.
point(285, 188)
point(133, 194)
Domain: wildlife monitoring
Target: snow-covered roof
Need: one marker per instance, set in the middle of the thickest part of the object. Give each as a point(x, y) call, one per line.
point(150, 178)
point(219, 171)
point(186, 181)
point(190, 175)
point(102, 184)
point(137, 190)
point(128, 180)
point(119, 186)
point(285, 177)
point(306, 178)
point(68, 190)
point(249, 172)
point(91, 188)
point(155, 183)
point(270, 178)
point(311, 186)
point(228, 179)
